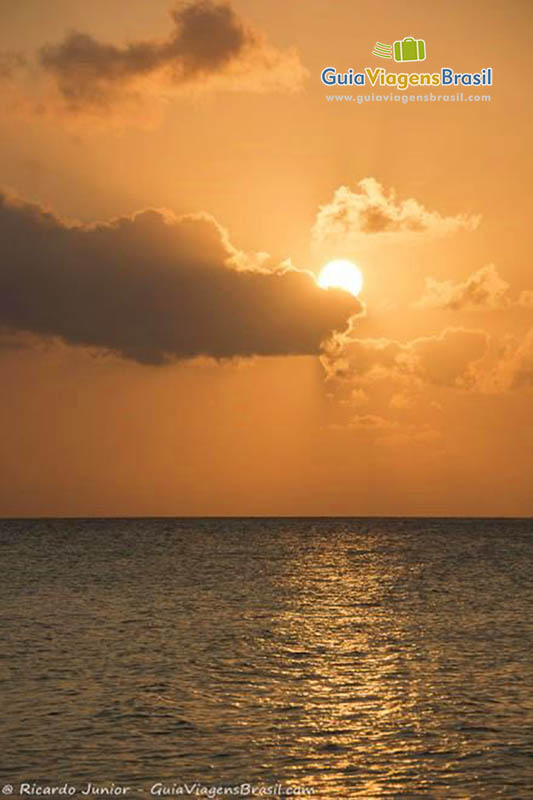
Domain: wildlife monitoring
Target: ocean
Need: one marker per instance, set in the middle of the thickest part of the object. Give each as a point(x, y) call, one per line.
point(331, 658)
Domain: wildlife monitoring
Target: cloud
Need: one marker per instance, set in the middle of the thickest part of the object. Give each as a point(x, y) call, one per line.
point(402, 400)
point(483, 289)
point(444, 359)
point(154, 287)
point(509, 367)
point(521, 364)
point(372, 423)
point(397, 375)
point(370, 210)
point(401, 380)
point(209, 46)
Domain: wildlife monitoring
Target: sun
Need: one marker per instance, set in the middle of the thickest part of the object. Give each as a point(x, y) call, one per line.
point(341, 274)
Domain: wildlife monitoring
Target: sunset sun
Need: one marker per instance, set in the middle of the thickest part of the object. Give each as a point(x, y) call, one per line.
point(341, 274)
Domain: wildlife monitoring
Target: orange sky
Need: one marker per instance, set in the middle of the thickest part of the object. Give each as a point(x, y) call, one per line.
point(420, 406)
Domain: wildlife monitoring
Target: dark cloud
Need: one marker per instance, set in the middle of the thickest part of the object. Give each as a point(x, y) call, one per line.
point(208, 40)
point(154, 287)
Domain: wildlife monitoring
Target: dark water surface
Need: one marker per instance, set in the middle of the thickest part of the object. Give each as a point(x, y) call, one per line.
point(361, 658)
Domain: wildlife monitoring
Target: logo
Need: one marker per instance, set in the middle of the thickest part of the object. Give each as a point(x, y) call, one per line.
point(382, 50)
point(403, 50)
point(406, 49)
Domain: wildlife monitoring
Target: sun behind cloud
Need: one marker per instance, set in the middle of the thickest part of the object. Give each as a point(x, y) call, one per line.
point(341, 274)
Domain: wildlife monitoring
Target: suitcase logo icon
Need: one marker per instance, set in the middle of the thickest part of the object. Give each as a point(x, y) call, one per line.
point(409, 49)
point(406, 49)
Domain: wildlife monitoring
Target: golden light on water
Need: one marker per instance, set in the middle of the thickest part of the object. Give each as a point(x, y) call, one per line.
point(341, 274)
